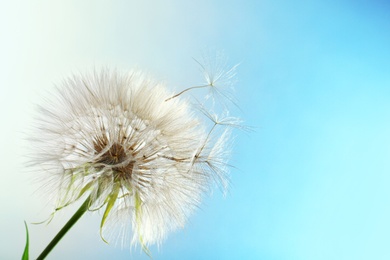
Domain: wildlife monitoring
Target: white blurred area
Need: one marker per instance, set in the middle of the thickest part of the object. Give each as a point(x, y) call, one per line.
point(43, 42)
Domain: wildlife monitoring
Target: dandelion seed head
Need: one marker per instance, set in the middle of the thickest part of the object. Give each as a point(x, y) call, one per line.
point(116, 136)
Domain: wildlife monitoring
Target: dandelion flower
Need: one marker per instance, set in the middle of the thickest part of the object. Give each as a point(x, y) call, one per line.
point(135, 150)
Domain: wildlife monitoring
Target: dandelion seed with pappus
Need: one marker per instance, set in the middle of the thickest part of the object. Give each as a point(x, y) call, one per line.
point(138, 152)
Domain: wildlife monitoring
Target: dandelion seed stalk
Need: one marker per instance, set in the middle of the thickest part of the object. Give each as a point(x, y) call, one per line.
point(83, 208)
point(181, 92)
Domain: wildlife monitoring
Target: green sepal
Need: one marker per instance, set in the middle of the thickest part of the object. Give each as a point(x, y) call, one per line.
point(111, 199)
point(138, 213)
point(47, 221)
point(26, 248)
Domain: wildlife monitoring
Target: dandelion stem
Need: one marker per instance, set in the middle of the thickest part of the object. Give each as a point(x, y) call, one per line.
point(84, 207)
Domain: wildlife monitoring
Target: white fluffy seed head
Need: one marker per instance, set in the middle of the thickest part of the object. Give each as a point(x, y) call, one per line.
point(120, 136)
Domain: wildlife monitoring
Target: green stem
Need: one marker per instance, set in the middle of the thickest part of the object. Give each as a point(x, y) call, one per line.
point(66, 228)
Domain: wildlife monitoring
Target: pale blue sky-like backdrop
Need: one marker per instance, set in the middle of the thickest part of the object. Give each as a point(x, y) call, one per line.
point(312, 180)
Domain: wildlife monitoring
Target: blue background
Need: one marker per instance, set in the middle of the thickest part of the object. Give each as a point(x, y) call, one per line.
point(311, 181)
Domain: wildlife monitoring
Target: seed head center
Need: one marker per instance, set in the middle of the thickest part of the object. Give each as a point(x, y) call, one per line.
point(116, 154)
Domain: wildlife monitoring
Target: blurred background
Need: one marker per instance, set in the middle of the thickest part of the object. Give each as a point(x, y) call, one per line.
point(311, 181)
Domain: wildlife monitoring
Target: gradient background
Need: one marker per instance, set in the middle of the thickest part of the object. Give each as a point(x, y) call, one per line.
point(312, 181)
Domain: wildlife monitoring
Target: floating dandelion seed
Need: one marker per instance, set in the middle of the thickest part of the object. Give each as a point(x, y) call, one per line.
point(219, 79)
point(135, 148)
